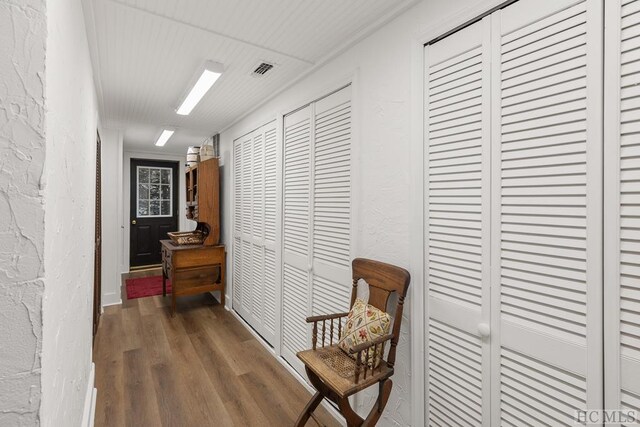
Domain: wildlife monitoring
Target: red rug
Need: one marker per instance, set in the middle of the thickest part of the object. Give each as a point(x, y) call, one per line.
point(146, 287)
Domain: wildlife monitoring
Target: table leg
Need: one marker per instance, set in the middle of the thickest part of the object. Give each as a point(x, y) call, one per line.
point(222, 280)
point(164, 283)
point(173, 301)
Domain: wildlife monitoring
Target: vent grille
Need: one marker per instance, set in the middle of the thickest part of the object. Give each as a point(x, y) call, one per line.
point(262, 69)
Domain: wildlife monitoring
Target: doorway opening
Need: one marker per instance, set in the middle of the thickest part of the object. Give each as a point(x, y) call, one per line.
point(153, 210)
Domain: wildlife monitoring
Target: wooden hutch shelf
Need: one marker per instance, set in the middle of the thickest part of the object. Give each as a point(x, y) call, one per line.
point(203, 197)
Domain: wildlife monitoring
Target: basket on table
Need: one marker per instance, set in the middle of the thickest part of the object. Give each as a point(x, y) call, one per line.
point(195, 237)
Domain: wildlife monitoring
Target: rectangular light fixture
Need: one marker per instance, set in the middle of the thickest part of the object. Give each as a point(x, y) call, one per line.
point(212, 72)
point(164, 137)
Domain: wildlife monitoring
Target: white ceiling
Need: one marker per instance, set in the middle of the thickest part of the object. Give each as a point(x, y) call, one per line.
point(146, 52)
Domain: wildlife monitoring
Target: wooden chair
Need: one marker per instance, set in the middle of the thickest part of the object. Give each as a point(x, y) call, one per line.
point(333, 373)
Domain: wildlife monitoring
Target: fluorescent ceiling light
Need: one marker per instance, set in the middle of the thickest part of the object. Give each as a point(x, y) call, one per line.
point(212, 71)
point(164, 137)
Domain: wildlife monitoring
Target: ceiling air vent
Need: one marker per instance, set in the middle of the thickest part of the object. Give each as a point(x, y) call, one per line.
point(261, 69)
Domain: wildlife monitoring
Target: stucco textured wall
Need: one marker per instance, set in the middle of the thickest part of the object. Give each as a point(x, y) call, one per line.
point(23, 34)
point(71, 123)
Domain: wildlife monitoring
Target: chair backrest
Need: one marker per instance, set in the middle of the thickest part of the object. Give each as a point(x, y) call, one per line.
point(383, 279)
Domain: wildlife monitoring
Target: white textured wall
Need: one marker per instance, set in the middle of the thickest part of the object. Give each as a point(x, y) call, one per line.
point(71, 122)
point(22, 156)
point(382, 198)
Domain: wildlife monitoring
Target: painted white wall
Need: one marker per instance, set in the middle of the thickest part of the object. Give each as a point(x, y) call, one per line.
point(112, 232)
point(69, 192)
point(23, 30)
point(384, 125)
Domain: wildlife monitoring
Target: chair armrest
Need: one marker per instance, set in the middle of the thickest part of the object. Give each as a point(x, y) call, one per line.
point(332, 320)
point(363, 352)
point(326, 317)
point(366, 345)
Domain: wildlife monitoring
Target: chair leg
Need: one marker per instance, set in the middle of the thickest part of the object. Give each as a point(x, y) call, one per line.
point(308, 410)
point(383, 397)
point(353, 419)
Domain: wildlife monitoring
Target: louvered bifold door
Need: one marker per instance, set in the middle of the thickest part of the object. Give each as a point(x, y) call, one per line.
point(247, 226)
point(457, 161)
point(244, 212)
point(254, 230)
point(270, 202)
point(257, 234)
point(546, 211)
point(296, 286)
point(237, 225)
point(331, 219)
point(622, 206)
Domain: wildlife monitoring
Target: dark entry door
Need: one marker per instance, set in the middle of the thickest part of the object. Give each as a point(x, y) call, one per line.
point(154, 208)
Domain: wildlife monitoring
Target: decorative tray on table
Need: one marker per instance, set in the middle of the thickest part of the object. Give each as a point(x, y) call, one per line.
point(195, 237)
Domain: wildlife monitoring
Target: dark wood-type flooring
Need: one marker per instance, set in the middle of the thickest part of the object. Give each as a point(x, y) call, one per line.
point(199, 368)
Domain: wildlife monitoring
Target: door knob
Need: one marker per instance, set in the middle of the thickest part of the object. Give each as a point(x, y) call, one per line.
point(133, 221)
point(484, 330)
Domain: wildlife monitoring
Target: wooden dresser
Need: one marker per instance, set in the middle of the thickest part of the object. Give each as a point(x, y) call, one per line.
point(192, 269)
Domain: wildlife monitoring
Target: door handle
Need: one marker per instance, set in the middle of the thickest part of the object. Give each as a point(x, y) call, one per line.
point(484, 330)
point(133, 221)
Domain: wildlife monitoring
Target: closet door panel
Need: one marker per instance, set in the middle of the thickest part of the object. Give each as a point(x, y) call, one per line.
point(270, 211)
point(317, 216)
point(296, 302)
point(254, 229)
point(457, 246)
point(237, 224)
point(331, 236)
point(247, 227)
point(622, 206)
point(257, 235)
point(547, 198)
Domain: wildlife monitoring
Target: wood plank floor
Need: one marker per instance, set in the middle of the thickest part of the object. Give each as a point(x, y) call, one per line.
point(199, 368)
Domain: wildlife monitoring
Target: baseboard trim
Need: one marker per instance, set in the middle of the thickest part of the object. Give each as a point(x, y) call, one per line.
point(119, 302)
point(330, 408)
point(89, 413)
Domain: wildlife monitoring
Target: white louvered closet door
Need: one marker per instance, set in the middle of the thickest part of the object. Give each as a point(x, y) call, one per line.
point(457, 219)
point(546, 211)
point(254, 256)
point(331, 219)
point(257, 235)
point(237, 224)
point(270, 275)
point(296, 298)
point(622, 205)
point(317, 217)
point(246, 246)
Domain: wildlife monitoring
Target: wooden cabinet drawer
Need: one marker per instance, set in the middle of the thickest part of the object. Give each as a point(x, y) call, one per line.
point(200, 257)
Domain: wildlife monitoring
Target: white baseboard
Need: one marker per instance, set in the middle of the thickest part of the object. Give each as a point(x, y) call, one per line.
point(111, 298)
point(119, 302)
point(328, 406)
point(89, 413)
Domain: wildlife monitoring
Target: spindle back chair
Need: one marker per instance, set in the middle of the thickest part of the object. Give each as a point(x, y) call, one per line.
point(336, 375)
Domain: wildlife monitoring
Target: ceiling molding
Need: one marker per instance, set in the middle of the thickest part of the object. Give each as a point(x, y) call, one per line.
point(210, 31)
point(352, 41)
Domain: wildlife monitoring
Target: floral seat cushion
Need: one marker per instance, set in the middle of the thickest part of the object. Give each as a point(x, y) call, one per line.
point(364, 324)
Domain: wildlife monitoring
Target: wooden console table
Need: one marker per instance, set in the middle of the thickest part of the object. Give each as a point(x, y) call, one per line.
point(192, 270)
